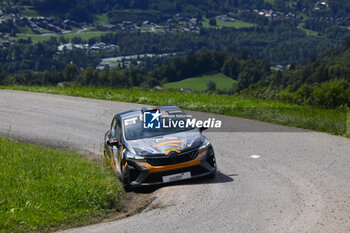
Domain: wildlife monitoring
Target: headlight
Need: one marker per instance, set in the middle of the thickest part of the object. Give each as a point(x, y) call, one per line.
point(205, 144)
point(139, 160)
point(203, 149)
point(130, 155)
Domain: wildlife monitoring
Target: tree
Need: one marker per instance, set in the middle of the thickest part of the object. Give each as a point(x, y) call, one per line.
point(211, 86)
point(89, 76)
point(62, 40)
point(230, 67)
point(212, 22)
point(76, 40)
point(92, 41)
point(13, 32)
point(70, 72)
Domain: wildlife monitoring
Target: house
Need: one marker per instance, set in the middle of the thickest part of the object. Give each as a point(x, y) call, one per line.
point(127, 23)
point(225, 18)
point(193, 21)
point(108, 27)
point(188, 90)
point(157, 88)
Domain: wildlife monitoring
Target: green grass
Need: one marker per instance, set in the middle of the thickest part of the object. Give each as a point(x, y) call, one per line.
point(324, 120)
point(236, 24)
point(270, 1)
point(200, 83)
point(40, 38)
point(308, 31)
point(85, 35)
point(44, 189)
point(25, 29)
point(35, 38)
point(28, 11)
point(101, 19)
point(146, 29)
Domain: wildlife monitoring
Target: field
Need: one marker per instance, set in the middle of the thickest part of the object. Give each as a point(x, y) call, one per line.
point(39, 38)
point(236, 24)
point(309, 32)
point(324, 120)
point(200, 83)
point(28, 11)
point(101, 19)
point(44, 189)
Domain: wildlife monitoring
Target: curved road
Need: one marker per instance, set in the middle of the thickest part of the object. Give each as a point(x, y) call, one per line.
point(301, 182)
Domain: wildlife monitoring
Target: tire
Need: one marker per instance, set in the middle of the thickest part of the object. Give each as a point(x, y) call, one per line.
point(126, 182)
point(127, 188)
point(212, 175)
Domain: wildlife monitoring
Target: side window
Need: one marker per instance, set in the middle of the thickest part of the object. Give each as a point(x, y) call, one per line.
point(113, 126)
point(119, 130)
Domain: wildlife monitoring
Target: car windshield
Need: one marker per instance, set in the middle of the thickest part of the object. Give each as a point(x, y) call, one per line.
point(134, 128)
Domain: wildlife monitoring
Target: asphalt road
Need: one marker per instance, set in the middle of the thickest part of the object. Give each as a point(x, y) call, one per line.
point(300, 182)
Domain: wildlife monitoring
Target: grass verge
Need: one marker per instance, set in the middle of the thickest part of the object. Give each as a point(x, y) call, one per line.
point(235, 24)
point(324, 120)
point(222, 81)
point(44, 189)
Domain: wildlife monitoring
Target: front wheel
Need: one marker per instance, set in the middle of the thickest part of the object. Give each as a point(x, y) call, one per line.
point(125, 180)
point(128, 188)
point(212, 175)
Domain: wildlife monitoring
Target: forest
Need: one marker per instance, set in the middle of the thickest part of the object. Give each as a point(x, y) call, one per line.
point(84, 10)
point(279, 44)
point(324, 82)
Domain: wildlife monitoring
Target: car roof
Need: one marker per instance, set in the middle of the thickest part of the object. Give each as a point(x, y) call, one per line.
point(137, 112)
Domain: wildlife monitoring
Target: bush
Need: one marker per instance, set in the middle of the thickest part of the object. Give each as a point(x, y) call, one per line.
point(211, 86)
point(332, 94)
point(212, 22)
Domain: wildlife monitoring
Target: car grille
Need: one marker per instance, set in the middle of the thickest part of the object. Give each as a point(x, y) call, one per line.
point(173, 158)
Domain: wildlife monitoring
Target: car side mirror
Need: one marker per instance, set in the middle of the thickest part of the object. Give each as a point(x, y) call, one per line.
point(201, 129)
point(112, 142)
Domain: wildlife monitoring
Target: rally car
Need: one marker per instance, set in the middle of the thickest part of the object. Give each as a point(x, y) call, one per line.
point(143, 150)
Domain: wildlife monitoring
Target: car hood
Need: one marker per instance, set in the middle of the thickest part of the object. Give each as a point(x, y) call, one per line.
point(161, 145)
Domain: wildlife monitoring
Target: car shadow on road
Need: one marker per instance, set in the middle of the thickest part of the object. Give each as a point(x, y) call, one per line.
point(219, 178)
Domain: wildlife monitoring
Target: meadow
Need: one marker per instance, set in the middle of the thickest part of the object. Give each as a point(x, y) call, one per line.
point(44, 189)
point(40, 38)
point(222, 82)
point(235, 24)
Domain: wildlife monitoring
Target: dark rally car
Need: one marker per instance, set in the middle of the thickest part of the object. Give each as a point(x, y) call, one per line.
point(141, 156)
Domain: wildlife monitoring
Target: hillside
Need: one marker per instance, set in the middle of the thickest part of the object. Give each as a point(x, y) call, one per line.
point(222, 82)
point(265, 47)
point(280, 32)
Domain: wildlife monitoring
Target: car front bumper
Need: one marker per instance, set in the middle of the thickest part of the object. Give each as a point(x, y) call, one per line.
point(143, 174)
